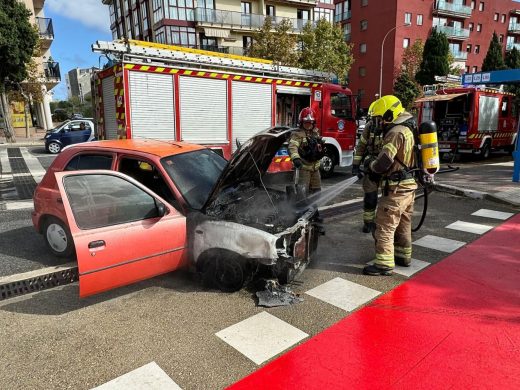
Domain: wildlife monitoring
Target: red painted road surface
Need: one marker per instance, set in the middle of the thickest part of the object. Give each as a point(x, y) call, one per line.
point(455, 325)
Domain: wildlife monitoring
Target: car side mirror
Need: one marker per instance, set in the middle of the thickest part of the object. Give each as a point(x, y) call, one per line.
point(161, 209)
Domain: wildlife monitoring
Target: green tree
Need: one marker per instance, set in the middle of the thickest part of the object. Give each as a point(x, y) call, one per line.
point(412, 58)
point(435, 61)
point(275, 44)
point(324, 48)
point(512, 61)
point(406, 89)
point(18, 39)
point(493, 59)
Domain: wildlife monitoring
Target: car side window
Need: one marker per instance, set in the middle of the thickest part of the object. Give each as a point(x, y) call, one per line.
point(79, 126)
point(99, 200)
point(147, 174)
point(89, 161)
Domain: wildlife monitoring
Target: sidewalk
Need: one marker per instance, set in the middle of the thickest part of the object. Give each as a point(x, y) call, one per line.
point(36, 139)
point(478, 180)
point(455, 325)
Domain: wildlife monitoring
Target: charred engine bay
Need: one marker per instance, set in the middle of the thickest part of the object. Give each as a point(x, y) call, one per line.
point(251, 206)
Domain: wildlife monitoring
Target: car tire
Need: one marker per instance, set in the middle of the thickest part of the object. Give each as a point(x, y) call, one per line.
point(327, 164)
point(54, 147)
point(485, 151)
point(224, 270)
point(58, 238)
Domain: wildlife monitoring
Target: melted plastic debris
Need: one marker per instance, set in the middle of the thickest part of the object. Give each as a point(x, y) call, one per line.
point(277, 295)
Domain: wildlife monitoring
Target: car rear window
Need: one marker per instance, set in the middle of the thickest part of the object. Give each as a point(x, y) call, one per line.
point(89, 161)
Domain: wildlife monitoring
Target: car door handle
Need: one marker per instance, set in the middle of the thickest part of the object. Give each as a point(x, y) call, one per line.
point(96, 244)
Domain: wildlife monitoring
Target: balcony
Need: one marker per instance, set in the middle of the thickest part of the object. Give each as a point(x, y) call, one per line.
point(442, 7)
point(239, 21)
point(453, 32)
point(341, 17)
point(514, 28)
point(512, 45)
point(45, 31)
point(239, 51)
point(459, 55)
point(296, 2)
point(51, 71)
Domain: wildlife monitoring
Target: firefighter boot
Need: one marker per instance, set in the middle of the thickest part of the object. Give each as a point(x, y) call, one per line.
point(375, 270)
point(369, 227)
point(402, 262)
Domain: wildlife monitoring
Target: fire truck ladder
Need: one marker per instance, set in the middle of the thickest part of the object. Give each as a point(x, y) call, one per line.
point(147, 52)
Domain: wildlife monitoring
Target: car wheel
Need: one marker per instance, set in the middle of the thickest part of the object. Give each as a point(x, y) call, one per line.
point(327, 164)
point(58, 238)
point(229, 274)
point(485, 152)
point(54, 148)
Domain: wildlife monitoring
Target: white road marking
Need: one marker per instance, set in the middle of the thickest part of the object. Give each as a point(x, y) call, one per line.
point(414, 267)
point(4, 161)
point(261, 336)
point(469, 227)
point(35, 167)
point(504, 164)
point(148, 377)
point(492, 214)
point(18, 205)
point(343, 294)
point(439, 243)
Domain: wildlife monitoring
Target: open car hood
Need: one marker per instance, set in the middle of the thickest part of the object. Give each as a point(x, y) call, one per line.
point(251, 160)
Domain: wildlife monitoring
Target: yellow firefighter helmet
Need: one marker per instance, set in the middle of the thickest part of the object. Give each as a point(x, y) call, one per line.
point(387, 107)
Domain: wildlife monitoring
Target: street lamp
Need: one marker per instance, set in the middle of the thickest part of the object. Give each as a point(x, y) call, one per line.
point(382, 47)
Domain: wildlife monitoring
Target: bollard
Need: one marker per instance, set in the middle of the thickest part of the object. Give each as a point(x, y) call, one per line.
point(516, 169)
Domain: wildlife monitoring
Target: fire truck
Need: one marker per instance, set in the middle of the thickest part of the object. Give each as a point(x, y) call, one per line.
point(472, 120)
point(172, 93)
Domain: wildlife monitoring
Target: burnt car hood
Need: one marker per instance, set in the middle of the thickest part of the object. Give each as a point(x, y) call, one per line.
point(253, 156)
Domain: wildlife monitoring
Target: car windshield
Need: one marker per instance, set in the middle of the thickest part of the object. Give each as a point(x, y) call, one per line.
point(57, 128)
point(195, 174)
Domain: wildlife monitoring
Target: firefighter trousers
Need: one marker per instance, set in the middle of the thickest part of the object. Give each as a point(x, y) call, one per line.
point(310, 178)
point(370, 189)
point(393, 233)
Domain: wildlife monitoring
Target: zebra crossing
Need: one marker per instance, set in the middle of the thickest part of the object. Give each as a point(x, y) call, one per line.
point(264, 336)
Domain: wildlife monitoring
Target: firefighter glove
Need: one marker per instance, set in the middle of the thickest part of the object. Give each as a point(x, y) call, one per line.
point(297, 162)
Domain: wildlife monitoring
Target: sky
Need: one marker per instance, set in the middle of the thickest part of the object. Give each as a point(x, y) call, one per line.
point(77, 25)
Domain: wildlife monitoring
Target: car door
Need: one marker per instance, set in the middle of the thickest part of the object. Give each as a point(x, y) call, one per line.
point(122, 232)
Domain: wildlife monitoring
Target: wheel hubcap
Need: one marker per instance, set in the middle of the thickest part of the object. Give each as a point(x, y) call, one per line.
point(326, 163)
point(54, 148)
point(57, 237)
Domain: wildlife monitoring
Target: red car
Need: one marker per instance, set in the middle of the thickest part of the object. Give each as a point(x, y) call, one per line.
point(133, 209)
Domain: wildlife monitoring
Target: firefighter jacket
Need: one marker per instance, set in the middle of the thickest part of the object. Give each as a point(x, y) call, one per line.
point(397, 156)
point(369, 144)
point(307, 146)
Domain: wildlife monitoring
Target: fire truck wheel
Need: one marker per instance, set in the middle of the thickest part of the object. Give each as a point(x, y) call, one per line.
point(485, 152)
point(327, 164)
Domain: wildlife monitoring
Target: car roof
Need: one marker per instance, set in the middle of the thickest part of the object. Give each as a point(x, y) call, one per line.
point(154, 147)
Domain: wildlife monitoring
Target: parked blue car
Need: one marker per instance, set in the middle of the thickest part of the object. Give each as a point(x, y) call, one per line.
point(68, 133)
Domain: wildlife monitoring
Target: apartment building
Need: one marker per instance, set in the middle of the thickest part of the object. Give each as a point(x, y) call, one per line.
point(469, 26)
point(78, 82)
point(47, 67)
point(219, 25)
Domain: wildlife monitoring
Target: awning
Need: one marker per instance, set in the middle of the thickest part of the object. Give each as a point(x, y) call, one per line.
point(438, 98)
point(216, 32)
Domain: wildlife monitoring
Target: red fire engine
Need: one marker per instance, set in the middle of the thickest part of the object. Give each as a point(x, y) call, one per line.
point(469, 119)
point(167, 92)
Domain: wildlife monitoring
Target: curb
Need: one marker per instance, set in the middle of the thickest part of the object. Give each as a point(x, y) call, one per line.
point(473, 194)
point(18, 144)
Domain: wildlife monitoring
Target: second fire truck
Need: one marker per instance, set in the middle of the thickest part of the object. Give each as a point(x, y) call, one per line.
point(171, 93)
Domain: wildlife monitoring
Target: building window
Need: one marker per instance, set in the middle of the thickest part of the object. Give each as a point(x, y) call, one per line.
point(180, 10)
point(406, 42)
point(303, 14)
point(479, 27)
point(503, 18)
point(472, 5)
point(207, 4)
point(112, 13)
point(407, 18)
point(182, 36)
point(475, 69)
point(501, 38)
point(363, 48)
point(467, 69)
point(364, 3)
point(160, 35)
point(158, 12)
point(323, 13)
point(247, 41)
point(362, 71)
point(245, 7)
point(346, 31)
point(470, 26)
point(481, 6)
point(207, 43)
point(364, 25)
point(477, 49)
point(419, 20)
point(495, 18)
point(270, 10)
point(468, 48)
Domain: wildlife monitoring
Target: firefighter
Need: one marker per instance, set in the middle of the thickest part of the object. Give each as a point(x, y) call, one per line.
point(393, 234)
point(368, 147)
point(306, 148)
